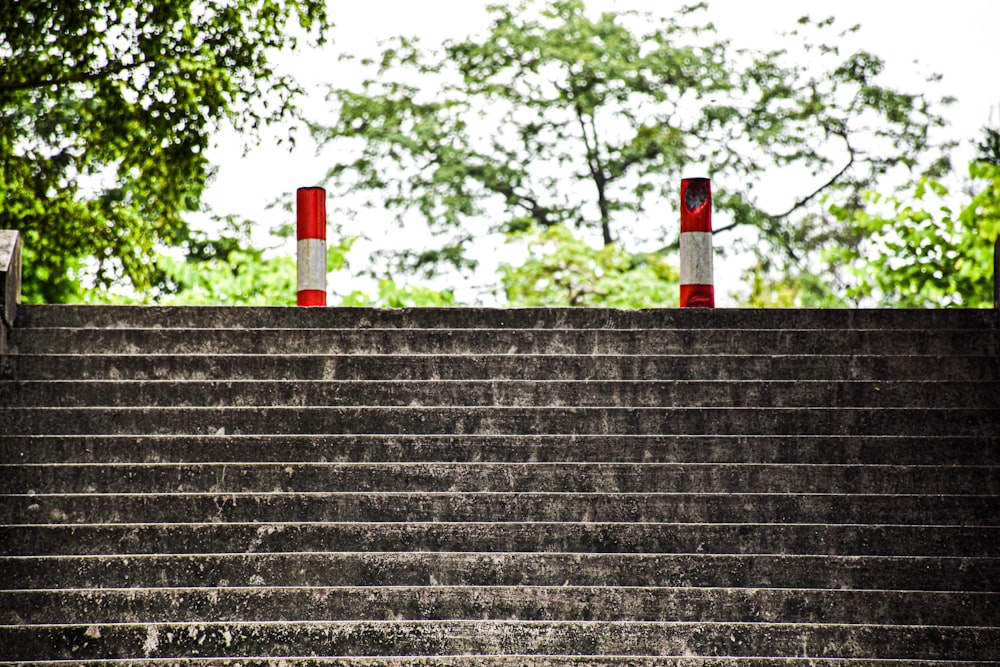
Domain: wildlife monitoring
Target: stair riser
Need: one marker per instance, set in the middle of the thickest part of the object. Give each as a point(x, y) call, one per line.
point(33, 316)
point(405, 507)
point(500, 341)
point(499, 367)
point(441, 477)
point(520, 661)
point(563, 603)
point(891, 450)
point(91, 641)
point(502, 569)
point(842, 540)
point(496, 421)
point(508, 393)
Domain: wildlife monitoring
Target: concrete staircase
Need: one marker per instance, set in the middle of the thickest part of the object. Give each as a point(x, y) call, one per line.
point(281, 486)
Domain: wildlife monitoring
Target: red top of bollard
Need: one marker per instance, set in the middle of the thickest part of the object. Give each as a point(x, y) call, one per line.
point(696, 205)
point(310, 213)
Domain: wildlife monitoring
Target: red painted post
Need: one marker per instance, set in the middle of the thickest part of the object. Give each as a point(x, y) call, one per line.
point(310, 214)
point(697, 288)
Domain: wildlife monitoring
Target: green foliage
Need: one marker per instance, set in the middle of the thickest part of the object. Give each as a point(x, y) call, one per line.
point(222, 269)
point(230, 271)
point(920, 253)
point(393, 295)
point(106, 111)
point(562, 270)
point(559, 117)
point(802, 290)
point(989, 148)
point(243, 278)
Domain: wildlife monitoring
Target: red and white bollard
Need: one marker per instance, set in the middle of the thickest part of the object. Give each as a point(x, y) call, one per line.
point(310, 215)
point(697, 287)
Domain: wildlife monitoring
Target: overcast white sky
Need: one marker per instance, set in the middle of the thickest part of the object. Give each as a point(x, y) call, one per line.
point(958, 39)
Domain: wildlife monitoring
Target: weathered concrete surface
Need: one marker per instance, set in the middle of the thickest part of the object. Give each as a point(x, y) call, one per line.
point(540, 367)
point(422, 507)
point(224, 317)
point(492, 420)
point(503, 393)
point(569, 537)
point(923, 450)
point(523, 603)
point(495, 477)
point(10, 282)
point(415, 569)
point(504, 341)
point(483, 487)
point(10, 275)
point(88, 642)
point(533, 661)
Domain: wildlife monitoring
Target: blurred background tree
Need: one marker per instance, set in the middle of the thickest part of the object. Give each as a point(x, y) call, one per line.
point(557, 118)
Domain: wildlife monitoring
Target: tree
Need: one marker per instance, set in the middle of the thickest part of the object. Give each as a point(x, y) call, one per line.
point(106, 111)
point(563, 270)
point(918, 251)
point(228, 269)
point(559, 118)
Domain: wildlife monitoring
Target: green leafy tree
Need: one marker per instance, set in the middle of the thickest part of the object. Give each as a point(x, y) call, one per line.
point(106, 111)
point(919, 251)
point(227, 269)
point(559, 118)
point(393, 295)
point(785, 291)
point(563, 270)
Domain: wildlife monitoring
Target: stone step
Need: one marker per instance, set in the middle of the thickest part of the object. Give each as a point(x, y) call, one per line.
point(501, 420)
point(867, 539)
point(530, 393)
point(498, 477)
point(526, 603)
point(969, 510)
point(521, 661)
point(521, 638)
point(287, 449)
point(504, 341)
point(35, 316)
point(304, 367)
point(501, 569)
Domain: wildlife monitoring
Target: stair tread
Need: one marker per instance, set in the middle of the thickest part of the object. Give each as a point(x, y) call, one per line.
point(32, 315)
point(358, 638)
point(919, 449)
point(550, 603)
point(387, 568)
point(509, 341)
point(526, 537)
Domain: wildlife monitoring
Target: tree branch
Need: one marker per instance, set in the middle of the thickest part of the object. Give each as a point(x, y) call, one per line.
point(597, 173)
point(804, 200)
point(808, 198)
point(539, 213)
point(76, 77)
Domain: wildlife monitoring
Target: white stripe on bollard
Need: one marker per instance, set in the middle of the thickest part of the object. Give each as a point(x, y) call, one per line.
point(311, 264)
point(696, 258)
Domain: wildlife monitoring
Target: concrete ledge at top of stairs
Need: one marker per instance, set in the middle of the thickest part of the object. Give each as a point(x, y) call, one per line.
point(229, 317)
point(10, 281)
